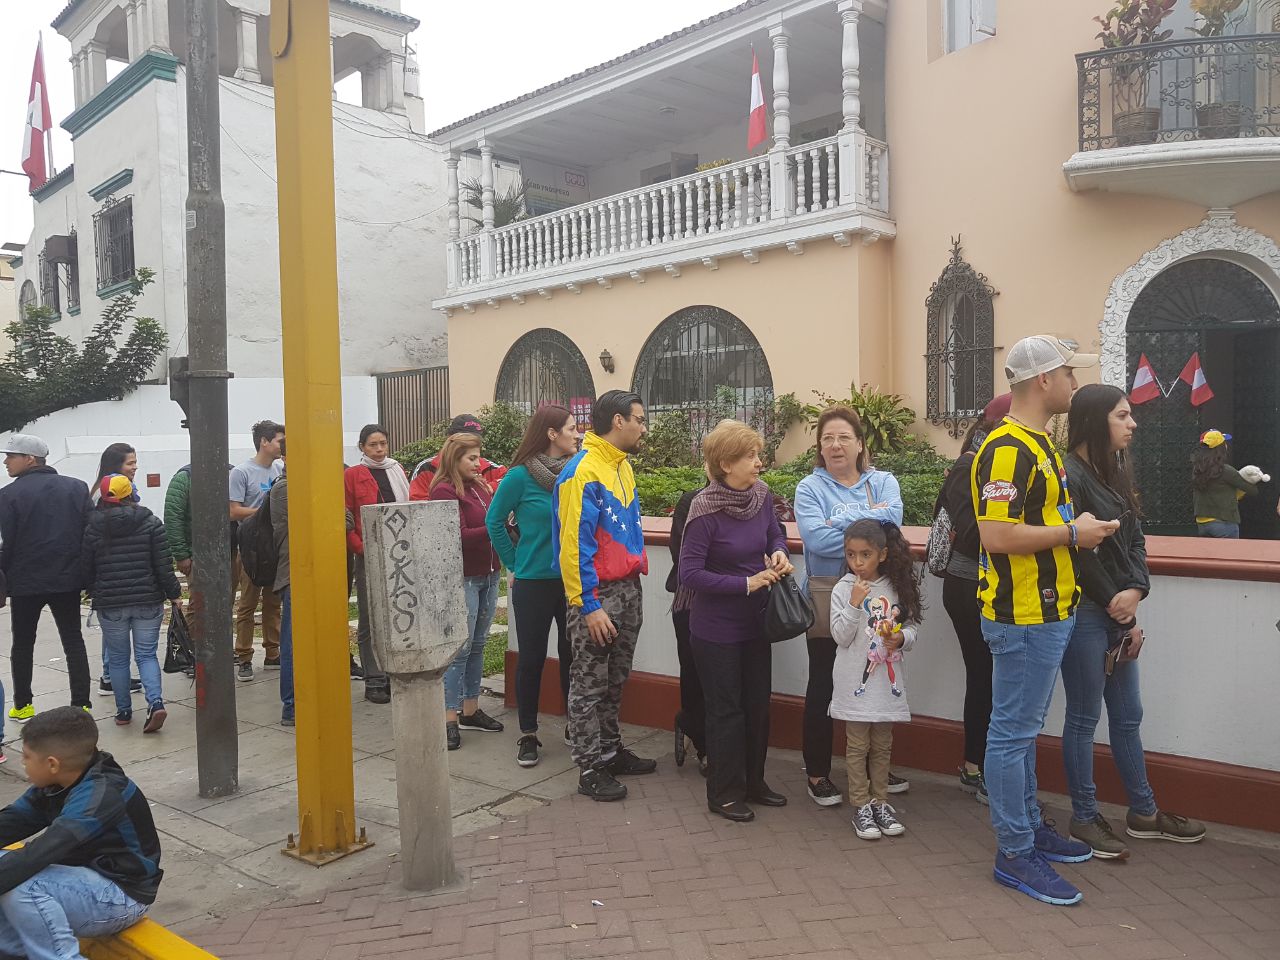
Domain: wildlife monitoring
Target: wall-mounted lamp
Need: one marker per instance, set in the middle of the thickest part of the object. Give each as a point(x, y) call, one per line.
point(606, 361)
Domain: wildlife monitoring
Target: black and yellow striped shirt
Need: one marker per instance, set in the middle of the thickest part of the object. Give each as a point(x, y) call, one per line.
point(1018, 477)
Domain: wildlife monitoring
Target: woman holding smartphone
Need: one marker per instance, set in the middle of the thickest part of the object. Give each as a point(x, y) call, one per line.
point(1101, 658)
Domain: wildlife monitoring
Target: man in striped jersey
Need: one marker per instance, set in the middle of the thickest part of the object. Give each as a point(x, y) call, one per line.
point(1027, 595)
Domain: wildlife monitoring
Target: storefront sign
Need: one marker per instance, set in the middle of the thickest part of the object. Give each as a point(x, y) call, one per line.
point(549, 187)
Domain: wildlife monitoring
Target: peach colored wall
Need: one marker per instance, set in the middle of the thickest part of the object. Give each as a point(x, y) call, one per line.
point(977, 140)
point(814, 314)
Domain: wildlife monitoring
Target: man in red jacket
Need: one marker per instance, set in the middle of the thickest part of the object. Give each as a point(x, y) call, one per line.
point(420, 482)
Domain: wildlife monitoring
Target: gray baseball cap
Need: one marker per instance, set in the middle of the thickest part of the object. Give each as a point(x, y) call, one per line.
point(26, 444)
point(1032, 356)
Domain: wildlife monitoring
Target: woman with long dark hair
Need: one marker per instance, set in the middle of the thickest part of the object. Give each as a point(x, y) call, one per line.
point(1217, 488)
point(1099, 661)
point(690, 724)
point(118, 458)
point(537, 592)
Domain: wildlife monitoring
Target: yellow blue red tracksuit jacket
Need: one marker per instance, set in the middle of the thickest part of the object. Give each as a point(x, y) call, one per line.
point(598, 537)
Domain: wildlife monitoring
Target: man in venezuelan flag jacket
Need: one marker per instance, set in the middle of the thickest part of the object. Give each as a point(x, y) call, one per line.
point(600, 549)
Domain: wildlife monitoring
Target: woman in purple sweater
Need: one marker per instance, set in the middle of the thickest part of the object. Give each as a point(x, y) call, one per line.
point(734, 548)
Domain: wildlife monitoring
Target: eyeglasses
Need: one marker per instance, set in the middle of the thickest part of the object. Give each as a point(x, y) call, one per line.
point(844, 440)
point(643, 421)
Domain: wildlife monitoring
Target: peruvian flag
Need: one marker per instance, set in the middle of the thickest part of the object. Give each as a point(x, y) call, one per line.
point(1193, 376)
point(757, 124)
point(38, 124)
point(1145, 385)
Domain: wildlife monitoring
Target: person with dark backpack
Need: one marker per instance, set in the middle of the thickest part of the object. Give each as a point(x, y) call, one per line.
point(259, 552)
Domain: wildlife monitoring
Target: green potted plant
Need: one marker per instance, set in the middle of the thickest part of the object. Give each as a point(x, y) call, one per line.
point(1218, 117)
point(1129, 26)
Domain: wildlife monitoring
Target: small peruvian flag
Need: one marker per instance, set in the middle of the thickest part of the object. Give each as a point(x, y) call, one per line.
point(757, 124)
point(1145, 385)
point(38, 124)
point(1193, 376)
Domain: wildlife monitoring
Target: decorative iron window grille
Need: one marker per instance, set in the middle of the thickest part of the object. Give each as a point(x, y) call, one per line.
point(544, 366)
point(691, 356)
point(73, 276)
point(1209, 88)
point(960, 362)
point(49, 285)
point(26, 298)
point(113, 239)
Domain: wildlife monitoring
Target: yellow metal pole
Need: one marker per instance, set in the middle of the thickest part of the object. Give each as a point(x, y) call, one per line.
point(313, 413)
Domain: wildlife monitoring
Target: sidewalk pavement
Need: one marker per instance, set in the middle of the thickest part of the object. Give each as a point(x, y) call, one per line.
point(545, 873)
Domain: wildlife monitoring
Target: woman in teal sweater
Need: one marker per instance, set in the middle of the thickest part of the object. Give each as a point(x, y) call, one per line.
point(537, 595)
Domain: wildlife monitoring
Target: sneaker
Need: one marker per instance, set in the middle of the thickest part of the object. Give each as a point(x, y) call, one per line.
point(886, 820)
point(245, 671)
point(527, 752)
point(156, 715)
point(104, 687)
point(135, 685)
point(357, 671)
point(1161, 825)
point(864, 823)
point(599, 784)
point(1097, 833)
point(453, 738)
point(377, 692)
point(898, 785)
point(479, 721)
point(124, 718)
point(1052, 845)
point(1033, 875)
point(975, 784)
point(824, 793)
point(271, 663)
point(286, 719)
point(568, 740)
point(22, 714)
point(3, 758)
point(626, 763)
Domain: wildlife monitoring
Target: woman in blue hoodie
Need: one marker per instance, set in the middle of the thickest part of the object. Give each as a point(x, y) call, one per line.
point(842, 489)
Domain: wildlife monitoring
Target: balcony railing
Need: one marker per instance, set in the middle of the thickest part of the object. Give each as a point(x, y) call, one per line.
point(734, 199)
point(1203, 89)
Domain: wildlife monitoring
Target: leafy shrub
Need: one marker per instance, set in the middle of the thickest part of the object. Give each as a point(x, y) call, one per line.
point(669, 443)
point(412, 454)
point(504, 428)
point(660, 489)
point(782, 484)
point(915, 455)
point(885, 416)
point(919, 491)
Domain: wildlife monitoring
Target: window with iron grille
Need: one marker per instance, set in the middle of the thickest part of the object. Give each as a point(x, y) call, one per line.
point(73, 276)
point(26, 298)
point(113, 241)
point(545, 366)
point(960, 363)
point(49, 285)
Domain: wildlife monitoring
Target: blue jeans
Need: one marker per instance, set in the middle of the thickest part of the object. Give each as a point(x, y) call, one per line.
point(41, 918)
point(286, 654)
point(1087, 684)
point(143, 622)
point(1219, 529)
point(1024, 667)
point(462, 678)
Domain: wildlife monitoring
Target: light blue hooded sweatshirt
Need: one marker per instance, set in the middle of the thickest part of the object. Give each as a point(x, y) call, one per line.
point(825, 507)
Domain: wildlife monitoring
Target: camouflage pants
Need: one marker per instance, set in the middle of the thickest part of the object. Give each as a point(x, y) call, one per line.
point(598, 673)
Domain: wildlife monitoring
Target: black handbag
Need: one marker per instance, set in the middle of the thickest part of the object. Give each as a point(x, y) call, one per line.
point(789, 612)
point(180, 655)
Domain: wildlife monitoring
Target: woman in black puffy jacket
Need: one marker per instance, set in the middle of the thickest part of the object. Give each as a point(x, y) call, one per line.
point(129, 572)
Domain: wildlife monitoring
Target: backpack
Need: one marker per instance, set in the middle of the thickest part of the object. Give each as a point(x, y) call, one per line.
point(942, 536)
point(257, 541)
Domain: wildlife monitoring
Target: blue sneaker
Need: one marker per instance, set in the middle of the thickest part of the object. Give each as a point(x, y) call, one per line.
point(1031, 874)
point(1054, 846)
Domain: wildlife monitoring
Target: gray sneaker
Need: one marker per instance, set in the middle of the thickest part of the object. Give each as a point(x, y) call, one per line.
point(1102, 840)
point(245, 671)
point(1163, 825)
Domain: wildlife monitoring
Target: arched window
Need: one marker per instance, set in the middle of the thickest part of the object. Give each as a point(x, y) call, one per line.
point(960, 360)
point(545, 366)
point(695, 358)
point(26, 298)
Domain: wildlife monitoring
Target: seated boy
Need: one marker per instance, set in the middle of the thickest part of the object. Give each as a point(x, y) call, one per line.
point(96, 868)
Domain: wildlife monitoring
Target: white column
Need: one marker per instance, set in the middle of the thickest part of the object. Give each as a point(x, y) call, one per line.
point(850, 84)
point(96, 53)
point(77, 79)
point(159, 17)
point(247, 46)
point(333, 74)
point(781, 87)
point(395, 82)
point(131, 31)
point(144, 26)
point(486, 183)
point(451, 195)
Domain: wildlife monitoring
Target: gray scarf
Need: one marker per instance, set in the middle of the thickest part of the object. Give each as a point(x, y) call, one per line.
point(544, 469)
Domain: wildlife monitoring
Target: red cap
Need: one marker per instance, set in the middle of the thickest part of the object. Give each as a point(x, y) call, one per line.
point(998, 408)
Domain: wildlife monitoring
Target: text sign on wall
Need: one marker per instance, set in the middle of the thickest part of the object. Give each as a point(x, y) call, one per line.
point(551, 186)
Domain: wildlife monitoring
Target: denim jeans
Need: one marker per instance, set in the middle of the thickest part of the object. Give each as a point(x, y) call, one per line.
point(1087, 684)
point(286, 654)
point(462, 678)
point(41, 918)
point(143, 622)
point(1219, 529)
point(1024, 668)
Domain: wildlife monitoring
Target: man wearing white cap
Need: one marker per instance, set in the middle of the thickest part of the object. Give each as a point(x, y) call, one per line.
point(42, 520)
point(1027, 595)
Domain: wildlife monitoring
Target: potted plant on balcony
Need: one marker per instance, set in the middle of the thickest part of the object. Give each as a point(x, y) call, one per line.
point(1218, 118)
point(1129, 26)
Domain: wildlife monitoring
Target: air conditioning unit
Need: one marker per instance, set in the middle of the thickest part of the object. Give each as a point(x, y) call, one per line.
point(60, 249)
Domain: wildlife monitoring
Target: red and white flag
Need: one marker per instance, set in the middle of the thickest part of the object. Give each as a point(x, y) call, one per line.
point(757, 123)
point(33, 140)
point(1193, 376)
point(1145, 385)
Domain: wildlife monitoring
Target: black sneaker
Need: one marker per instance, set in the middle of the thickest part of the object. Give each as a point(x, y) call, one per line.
point(244, 671)
point(379, 693)
point(104, 687)
point(599, 784)
point(626, 763)
point(480, 721)
point(898, 785)
point(286, 718)
point(527, 755)
point(135, 685)
point(824, 793)
point(357, 671)
point(451, 735)
point(271, 663)
point(156, 715)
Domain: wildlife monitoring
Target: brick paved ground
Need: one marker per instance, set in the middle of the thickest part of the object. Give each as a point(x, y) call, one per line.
point(672, 881)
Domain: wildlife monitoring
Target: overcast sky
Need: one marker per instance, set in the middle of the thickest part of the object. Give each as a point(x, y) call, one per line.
point(470, 57)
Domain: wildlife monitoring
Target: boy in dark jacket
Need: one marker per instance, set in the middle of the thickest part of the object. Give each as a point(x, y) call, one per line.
point(96, 867)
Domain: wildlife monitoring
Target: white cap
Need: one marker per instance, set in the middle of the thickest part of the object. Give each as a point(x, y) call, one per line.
point(1033, 356)
point(27, 445)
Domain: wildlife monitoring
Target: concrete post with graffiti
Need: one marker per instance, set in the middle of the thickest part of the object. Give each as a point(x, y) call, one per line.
point(418, 617)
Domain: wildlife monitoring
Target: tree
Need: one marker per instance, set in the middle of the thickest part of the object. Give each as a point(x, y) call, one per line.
point(45, 372)
point(507, 207)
